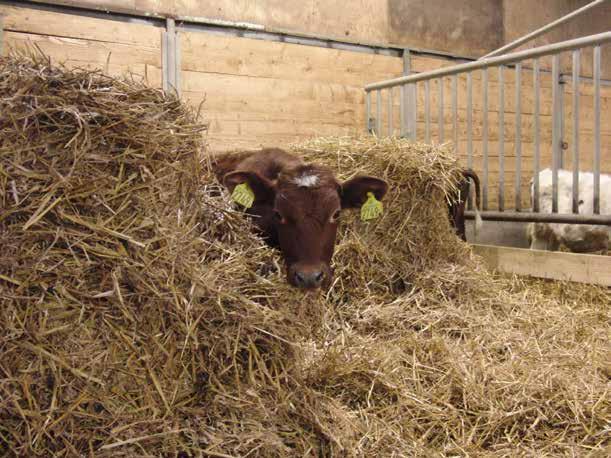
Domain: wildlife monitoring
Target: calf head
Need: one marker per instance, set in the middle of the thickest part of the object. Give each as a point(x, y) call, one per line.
point(299, 212)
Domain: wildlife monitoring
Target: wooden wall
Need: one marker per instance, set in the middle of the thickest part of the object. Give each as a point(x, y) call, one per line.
point(271, 93)
point(116, 47)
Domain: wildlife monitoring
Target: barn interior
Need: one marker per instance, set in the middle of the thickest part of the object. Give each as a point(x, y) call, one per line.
point(180, 336)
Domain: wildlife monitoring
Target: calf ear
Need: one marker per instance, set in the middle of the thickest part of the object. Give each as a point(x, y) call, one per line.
point(354, 192)
point(261, 186)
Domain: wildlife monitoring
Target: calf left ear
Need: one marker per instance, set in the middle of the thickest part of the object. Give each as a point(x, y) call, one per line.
point(354, 192)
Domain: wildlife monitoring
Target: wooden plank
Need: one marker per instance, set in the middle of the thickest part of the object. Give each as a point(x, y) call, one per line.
point(113, 58)
point(29, 20)
point(555, 265)
point(206, 53)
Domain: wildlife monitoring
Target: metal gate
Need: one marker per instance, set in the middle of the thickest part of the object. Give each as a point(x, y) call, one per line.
point(379, 114)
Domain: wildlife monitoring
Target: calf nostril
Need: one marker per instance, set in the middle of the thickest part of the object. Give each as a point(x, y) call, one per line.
point(299, 278)
point(319, 276)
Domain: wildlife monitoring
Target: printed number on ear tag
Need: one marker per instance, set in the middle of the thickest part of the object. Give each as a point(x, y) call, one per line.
point(372, 208)
point(243, 195)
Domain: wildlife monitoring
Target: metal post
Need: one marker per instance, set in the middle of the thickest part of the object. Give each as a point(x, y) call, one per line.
point(440, 111)
point(368, 112)
point(536, 139)
point(455, 111)
point(596, 77)
point(427, 111)
point(177, 61)
point(413, 110)
point(402, 110)
point(518, 141)
point(485, 137)
point(171, 53)
point(390, 123)
point(501, 140)
point(469, 129)
point(379, 112)
point(170, 57)
point(410, 98)
point(575, 88)
point(556, 141)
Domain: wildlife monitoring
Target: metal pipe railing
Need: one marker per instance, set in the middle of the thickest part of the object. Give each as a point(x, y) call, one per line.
point(554, 187)
point(575, 89)
point(531, 217)
point(596, 133)
point(552, 25)
point(518, 137)
point(541, 51)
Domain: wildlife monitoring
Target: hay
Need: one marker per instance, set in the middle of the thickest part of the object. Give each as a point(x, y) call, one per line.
point(140, 316)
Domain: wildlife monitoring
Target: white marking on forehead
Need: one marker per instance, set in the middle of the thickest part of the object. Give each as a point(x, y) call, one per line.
point(306, 181)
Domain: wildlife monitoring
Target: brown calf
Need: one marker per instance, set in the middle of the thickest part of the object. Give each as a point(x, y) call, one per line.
point(456, 208)
point(296, 207)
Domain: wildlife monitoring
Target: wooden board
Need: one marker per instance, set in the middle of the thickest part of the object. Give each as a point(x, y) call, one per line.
point(582, 268)
point(117, 48)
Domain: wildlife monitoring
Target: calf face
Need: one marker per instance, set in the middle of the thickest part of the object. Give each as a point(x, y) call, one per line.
point(299, 212)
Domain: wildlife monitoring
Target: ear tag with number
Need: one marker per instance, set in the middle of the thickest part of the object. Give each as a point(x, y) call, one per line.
point(243, 195)
point(372, 208)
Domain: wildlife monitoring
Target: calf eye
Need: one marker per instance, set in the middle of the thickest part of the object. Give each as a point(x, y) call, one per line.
point(335, 216)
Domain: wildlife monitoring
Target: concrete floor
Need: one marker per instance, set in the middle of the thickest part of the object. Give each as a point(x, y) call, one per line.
point(502, 233)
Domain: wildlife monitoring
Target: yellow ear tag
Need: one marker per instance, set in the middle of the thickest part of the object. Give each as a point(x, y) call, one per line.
point(372, 208)
point(243, 195)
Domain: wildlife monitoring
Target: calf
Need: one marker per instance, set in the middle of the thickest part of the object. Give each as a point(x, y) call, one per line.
point(579, 238)
point(456, 207)
point(296, 207)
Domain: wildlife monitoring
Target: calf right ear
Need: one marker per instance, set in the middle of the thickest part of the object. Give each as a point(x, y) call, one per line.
point(261, 186)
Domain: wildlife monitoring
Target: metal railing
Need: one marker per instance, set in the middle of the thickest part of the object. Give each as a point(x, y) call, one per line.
point(409, 84)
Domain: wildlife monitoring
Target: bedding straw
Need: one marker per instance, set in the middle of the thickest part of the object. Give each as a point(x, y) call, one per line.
point(141, 317)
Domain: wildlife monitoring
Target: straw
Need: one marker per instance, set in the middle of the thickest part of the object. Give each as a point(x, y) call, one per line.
point(140, 315)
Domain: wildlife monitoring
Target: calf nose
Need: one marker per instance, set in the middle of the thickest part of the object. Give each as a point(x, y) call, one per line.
point(309, 278)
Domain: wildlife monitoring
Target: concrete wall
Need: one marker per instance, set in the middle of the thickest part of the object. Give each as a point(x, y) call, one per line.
point(467, 28)
point(541, 12)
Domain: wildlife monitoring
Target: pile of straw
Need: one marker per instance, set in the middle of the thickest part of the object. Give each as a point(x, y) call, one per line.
point(140, 316)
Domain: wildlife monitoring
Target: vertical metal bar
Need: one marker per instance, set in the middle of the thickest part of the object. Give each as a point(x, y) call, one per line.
point(164, 60)
point(177, 60)
point(469, 130)
point(455, 111)
point(596, 77)
point(427, 111)
point(440, 115)
point(501, 140)
point(410, 98)
point(413, 110)
point(485, 137)
point(171, 52)
point(518, 141)
point(555, 129)
point(390, 123)
point(536, 139)
point(379, 112)
point(575, 82)
point(403, 105)
point(469, 120)
point(368, 111)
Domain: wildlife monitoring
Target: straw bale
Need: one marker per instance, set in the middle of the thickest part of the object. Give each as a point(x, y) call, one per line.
point(141, 317)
